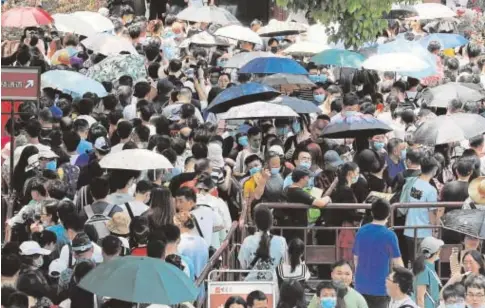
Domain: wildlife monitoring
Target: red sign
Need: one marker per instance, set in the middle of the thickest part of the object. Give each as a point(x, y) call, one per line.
point(20, 83)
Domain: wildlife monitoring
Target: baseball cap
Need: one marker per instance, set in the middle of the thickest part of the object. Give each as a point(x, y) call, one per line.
point(29, 248)
point(277, 149)
point(332, 158)
point(56, 268)
point(431, 245)
point(102, 144)
point(81, 243)
point(32, 162)
point(300, 172)
point(47, 153)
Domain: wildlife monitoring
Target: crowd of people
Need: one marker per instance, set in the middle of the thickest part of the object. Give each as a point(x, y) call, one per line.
point(70, 214)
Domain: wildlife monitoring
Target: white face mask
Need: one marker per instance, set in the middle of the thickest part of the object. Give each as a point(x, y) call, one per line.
point(38, 262)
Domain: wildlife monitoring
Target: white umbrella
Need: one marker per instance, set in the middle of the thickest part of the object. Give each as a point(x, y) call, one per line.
point(259, 110)
point(99, 22)
point(208, 14)
point(277, 28)
point(108, 44)
point(135, 159)
point(83, 23)
point(239, 33)
point(205, 39)
point(433, 11)
point(305, 48)
point(240, 59)
point(398, 62)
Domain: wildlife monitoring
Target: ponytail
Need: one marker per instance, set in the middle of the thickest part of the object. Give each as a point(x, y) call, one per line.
point(263, 249)
point(418, 264)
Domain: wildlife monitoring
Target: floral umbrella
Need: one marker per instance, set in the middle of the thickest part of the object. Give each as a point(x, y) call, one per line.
point(112, 68)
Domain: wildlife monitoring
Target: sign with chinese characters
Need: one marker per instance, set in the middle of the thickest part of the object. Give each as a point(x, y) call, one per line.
point(20, 83)
point(220, 291)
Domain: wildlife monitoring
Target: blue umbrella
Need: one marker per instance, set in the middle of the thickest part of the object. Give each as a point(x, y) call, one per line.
point(447, 40)
point(354, 126)
point(72, 83)
point(339, 57)
point(273, 65)
point(240, 95)
point(140, 280)
point(298, 105)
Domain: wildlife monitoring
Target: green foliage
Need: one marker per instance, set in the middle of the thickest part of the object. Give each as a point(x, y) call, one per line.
point(360, 20)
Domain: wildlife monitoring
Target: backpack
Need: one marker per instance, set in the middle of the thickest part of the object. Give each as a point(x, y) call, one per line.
point(70, 177)
point(99, 221)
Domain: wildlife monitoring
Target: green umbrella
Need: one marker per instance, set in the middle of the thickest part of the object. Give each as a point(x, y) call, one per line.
point(339, 57)
point(141, 280)
point(113, 67)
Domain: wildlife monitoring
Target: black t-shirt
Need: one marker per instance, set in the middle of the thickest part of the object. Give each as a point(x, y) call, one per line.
point(375, 184)
point(295, 217)
point(455, 191)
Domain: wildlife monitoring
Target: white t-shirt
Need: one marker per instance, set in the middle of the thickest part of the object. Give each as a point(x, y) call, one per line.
point(117, 148)
point(88, 118)
point(64, 256)
point(137, 207)
point(404, 302)
point(208, 219)
point(222, 209)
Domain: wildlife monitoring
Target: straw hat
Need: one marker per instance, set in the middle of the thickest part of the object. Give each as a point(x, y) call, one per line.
point(119, 224)
point(476, 190)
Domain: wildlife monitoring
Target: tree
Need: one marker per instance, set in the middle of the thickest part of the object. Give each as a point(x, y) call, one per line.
point(360, 20)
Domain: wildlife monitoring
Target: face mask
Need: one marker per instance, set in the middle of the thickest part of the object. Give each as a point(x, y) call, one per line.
point(359, 87)
point(220, 63)
point(296, 127)
point(254, 170)
point(255, 146)
point(243, 141)
point(403, 154)
point(378, 145)
point(355, 179)
point(52, 165)
point(176, 171)
point(456, 305)
point(328, 302)
point(306, 165)
point(275, 171)
point(317, 78)
point(282, 131)
point(38, 262)
point(274, 49)
point(319, 97)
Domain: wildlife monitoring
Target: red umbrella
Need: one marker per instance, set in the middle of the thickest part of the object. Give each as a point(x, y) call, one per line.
point(22, 17)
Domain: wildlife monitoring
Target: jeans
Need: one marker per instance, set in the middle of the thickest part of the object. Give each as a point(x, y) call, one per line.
point(374, 301)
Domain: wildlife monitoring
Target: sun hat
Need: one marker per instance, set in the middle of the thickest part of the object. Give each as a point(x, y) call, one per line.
point(431, 245)
point(81, 243)
point(476, 190)
point(29, 248)
point(119, 224)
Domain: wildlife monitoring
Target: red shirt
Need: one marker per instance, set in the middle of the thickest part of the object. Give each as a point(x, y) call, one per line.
point(139, 251)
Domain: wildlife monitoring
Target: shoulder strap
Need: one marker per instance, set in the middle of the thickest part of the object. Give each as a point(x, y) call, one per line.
point(69, 246)
point(128, 208)
point(198, 227)
point(406, 306)
point(473, 206)
point(108, 209)
point(89, 211)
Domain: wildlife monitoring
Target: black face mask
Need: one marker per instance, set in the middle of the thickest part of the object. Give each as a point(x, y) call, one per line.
point(274, 49)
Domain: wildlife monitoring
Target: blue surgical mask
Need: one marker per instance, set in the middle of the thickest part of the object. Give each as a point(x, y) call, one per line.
point(282, 131)
point(254, 170)
point(403, 154)
point(176, 171)
point(455, 305)
point(319, 97)
point(275, 171)
point(317, 78)
point(355, 179)
point(305, 165)
point(220, 63)
point(296, 127)
point(328, 302)
point(379, 145)
point(243, 141)
point(52, 165)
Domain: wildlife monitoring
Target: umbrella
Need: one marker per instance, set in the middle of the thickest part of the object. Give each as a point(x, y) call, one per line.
point(99, 22)
point(240, 33)
point(399, 11)
point(406, 64)
point(83, 23)
point(298, 105)
point(449, 128)
point(23, 17)
point(339, 57)
point(108, 44)
point(112, 68)
point(240, 59)
point(432, 11)
point(135, 159)
point(282, 28)
point(305, 49)
point(240, 95)
point(72, 83)
point(140, 280)
point(259, 110)
point(204, 39)
point(442, 95)
point(208, 14)
point(447, 40)
point(273, 65)
point(282, 79)
point(469, 222)
point(354, 126)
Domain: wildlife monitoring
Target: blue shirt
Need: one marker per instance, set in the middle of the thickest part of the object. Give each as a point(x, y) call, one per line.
point(429, 278)
point(393, 169)
point(421, 191)
point(61, 234)
point(375, 246)
point(289, 181)
point(196, 249)
point(83, 147)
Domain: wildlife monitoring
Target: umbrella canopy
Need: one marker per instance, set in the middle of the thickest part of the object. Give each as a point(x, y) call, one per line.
point(204, 39)
point(259, 110)
point(450, 128)
point(400, 11)
point(469, 222)
point(339, 57)
point(112, 68)
point(447, 40)
point(135, 159)
point(442, 95)
point(281, 28)
point(281, 79)
point(23, 17)
point(72, 83)
point(273, 65)
point(240, 95)
point(108, 44)
point(305, 49)
point(355, 126)
point(140, 280)
point(298, 105)
point(83, 23)
point(208, 14)
point(241, 59)
point(240, 33)
point(432, 11)
point(403, 63)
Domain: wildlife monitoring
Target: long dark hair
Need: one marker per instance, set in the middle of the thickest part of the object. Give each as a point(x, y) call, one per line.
point(477, 256)
point(344, 170)
point(295, 250)
point(419, 265)
point(139, 231)
point(235, 300)
point(292, 294)
point(19, 174)
point(162, 209)
point(264, 222)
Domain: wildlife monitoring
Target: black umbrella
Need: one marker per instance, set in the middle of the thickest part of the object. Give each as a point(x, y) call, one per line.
point(469, 222)
point(355, 126)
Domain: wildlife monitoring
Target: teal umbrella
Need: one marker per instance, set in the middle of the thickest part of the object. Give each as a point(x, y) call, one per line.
point(115, 66)
point(339, 57)
point(140, 280)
